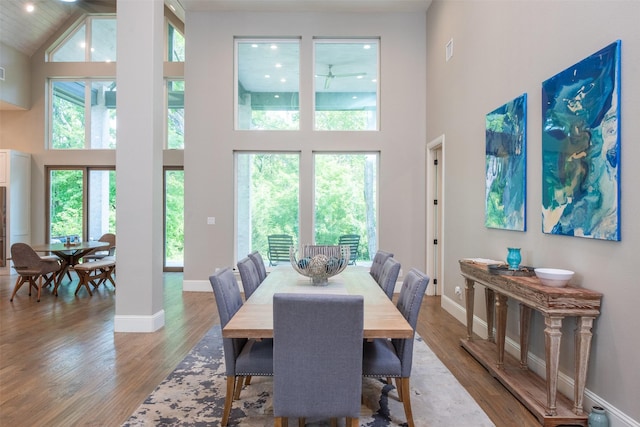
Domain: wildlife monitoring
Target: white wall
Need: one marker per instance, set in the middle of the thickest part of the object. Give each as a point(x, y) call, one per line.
point(501, 50)
point(210, 138)
point(14, 89)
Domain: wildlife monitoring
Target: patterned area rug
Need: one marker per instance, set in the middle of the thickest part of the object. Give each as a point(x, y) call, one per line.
point(193, 395)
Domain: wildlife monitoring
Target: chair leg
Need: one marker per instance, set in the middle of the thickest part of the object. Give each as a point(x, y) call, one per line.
point(280, 422)
point(228, 399)
point(302, 422)
point(353, 422)
point(406, 399)
point(238, 388)
point(334, 422)
point(247, 380)
point(18, 285)
point(39, 287)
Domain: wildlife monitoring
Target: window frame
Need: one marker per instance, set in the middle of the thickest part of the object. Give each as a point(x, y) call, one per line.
point(86, 190)
point(346, 40)
point(236, 77)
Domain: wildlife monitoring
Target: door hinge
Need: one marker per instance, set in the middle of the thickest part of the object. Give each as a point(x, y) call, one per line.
point(435, 241)
point(435, 201)
point(435, 162)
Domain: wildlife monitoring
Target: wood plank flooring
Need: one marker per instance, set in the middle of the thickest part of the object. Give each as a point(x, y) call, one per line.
point(61, 364)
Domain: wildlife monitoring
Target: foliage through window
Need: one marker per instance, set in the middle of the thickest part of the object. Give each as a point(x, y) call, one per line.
point(83, 114)
point(267, 199)
point(175, 114)
point(345, 199)
point(173, 219)
point(68, 214)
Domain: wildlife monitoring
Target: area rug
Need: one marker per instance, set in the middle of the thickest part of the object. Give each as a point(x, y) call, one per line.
point(193, 395)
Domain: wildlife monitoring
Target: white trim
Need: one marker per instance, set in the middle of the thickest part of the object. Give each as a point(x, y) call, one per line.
point(431, 271)
point(131, 323)
point(196, 286)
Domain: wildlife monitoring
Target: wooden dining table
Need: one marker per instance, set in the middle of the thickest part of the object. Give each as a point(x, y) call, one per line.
point(381, 317)
point(70, 254)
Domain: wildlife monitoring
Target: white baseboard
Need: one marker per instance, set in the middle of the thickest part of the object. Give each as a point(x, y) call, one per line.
point(617, 418)
point(139, 323)
point(196, 286)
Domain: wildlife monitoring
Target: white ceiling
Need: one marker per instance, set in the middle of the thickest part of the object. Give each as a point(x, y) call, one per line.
point(26, 32)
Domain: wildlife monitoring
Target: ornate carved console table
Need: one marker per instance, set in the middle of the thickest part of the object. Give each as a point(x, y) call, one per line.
point(537, 394)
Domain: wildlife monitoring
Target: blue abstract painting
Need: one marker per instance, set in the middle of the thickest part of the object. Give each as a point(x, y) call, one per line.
point(581, 148)
point(506, 166)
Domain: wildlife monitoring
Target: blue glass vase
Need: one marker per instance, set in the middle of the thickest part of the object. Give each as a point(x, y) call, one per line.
point(513, 258)
point(598, 417)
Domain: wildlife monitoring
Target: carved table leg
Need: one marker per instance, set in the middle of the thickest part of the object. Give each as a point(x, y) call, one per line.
point(552, 338)
point(490, 301)
point(501, 321)
point(469, 300)
point(582, 348)
point(525, 321)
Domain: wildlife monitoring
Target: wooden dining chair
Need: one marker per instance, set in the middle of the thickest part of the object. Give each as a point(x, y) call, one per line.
point(317, 356)
point(392, 358)
point(242, 357)
point(31, 267)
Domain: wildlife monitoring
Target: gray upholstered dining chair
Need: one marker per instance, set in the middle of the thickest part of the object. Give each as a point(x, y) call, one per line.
point(259, 262)
point(242, 357)
point(317, 356)
point(31, 267)
point(249, 276)
point(393, 358)
point(389, 276)
point(377, 263)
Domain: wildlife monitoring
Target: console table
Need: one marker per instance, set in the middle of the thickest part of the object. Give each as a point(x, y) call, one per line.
point(537, 394)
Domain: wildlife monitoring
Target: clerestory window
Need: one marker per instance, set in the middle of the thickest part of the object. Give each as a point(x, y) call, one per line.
point(92, 40)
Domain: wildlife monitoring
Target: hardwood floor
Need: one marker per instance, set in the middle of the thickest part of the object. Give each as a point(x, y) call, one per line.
point(61, 364)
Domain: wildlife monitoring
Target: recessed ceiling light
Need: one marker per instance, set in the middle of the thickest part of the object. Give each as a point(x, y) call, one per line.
point(68, 1)
point(29, 7)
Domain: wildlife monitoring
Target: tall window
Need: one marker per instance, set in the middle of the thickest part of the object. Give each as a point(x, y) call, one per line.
point(267, 199)
point(267, 84)
point(346, 199)
point(82, 201)
point(346, 84)
point(93, 40)
point(173, 219)
point(83, 114)
point(175, 44)
point(175, 114)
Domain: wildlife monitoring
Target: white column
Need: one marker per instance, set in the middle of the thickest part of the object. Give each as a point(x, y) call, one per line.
point(139, 296)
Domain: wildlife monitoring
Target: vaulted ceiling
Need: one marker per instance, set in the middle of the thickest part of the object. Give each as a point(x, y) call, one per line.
point(27, 31)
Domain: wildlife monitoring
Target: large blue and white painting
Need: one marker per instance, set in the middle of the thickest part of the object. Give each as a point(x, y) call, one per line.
point(506, 166)
point(581, 148)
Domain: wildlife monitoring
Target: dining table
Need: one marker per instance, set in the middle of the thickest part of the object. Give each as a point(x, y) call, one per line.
point(70, 254)
point(382, 319)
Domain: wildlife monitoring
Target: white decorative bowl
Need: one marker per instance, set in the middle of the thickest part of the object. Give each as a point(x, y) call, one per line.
point(554, 277)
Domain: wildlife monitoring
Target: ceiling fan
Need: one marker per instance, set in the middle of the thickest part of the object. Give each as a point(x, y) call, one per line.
point(328, 78)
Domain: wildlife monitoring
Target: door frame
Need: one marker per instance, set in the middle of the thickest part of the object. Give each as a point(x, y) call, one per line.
point(435, 149)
